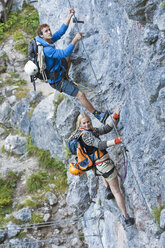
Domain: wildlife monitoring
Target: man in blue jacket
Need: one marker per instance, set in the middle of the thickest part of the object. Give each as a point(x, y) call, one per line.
point(58, 63)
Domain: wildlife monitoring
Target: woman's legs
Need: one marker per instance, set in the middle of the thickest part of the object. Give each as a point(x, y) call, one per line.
point(108, 193)
point(105, 182)
point(114, 185)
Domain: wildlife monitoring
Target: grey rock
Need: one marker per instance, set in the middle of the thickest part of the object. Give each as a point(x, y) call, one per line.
point(1, 130)
point(56, 246)
point(4, 112)
point(2, 235)
point(12, 229)
point(150, 9)
point(125, 41)
point(5, 76)
point(43, 128)
point(78, 195)
point(19, 115)
point(12, 100)
point(135, 9)
point(162, 219)
point(66, 113)
point(26, 243)
point(10, 90)
point(46, 217)
point(52, 198)
point(151, 34)
point(31, 243)
point(34, 97)
point(15, 144)
point(17, 5)
point(162, 240)
point(159, 18)
point(23, 214)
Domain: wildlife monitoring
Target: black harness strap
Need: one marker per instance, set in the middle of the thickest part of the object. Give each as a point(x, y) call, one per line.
point(106, 174)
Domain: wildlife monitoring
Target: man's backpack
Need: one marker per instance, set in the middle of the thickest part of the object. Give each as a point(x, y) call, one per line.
point(33, 56)
point(85, 161)
point(35, 67)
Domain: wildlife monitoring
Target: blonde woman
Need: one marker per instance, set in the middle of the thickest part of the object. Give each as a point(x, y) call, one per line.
point(104, 166)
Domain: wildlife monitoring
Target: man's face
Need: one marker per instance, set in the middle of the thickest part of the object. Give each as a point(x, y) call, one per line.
point(46, 33)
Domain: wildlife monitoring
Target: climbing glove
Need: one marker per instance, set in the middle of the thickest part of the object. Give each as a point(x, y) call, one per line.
point(118, 140)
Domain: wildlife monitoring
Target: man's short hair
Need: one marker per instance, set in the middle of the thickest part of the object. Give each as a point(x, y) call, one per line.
point(39, 29)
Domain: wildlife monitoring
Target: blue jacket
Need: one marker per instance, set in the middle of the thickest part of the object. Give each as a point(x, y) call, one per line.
point(52, 53)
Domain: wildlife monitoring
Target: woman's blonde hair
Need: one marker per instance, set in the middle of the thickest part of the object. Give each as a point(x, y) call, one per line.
point(79, 119)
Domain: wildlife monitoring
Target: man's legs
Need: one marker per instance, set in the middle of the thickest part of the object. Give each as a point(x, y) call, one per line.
point(101, 116)
point(84, 101)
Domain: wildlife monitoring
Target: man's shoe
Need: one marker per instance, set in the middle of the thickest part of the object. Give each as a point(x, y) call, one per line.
point(102, 116)
point(108, 194)
point(129, 221)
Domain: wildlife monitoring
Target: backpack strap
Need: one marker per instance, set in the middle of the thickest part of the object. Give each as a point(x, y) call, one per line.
point(96, 150)
point(43, 61)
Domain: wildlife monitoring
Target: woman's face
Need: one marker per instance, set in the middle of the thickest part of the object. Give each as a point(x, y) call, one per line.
point(86, 123)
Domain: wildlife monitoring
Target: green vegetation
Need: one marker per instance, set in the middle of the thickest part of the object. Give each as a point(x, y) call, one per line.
point(15, 81)
point(21, 42)
point(3, 149)
point(14, 220)
point(18, 82)
point(22, 92)
point(33, 106)
point(36, 218)
point(29, 203)
point(30, 113)
point(68, 153)
point(81, 236)
point(2, 98)
point(56, 169)
point(22, 235)
point(163, 4)
point(27, 20)
point(7, 187)
point(44, 157)
point(37, 181)
point(59, 99)
point(6, 132)
point(156, 213)
point(14, 74)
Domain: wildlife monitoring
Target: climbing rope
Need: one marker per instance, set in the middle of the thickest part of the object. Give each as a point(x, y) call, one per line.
point(51, 223)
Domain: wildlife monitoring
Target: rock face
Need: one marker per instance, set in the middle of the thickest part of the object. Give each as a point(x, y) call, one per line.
point(15, 144)
point(126, 45)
